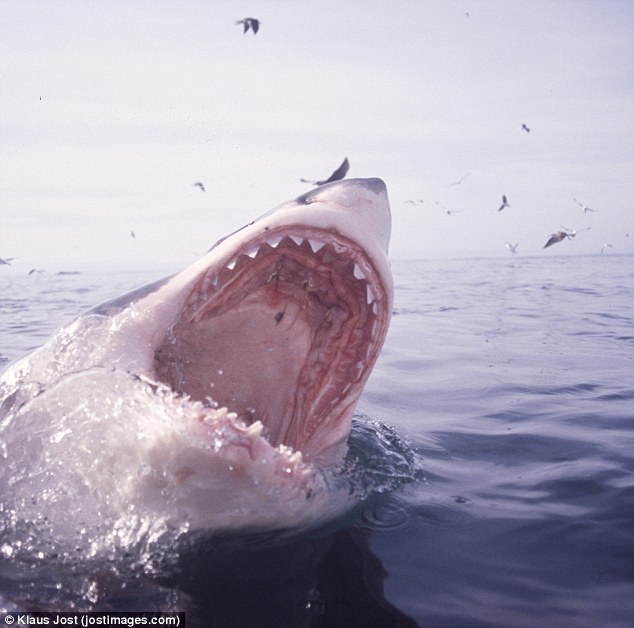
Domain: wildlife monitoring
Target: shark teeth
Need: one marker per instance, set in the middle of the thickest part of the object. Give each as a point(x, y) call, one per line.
point(370, 295)
point(297, 239)
point(327, 253)
point(357, 272)
point(231, 436)
point(255, 429)
point(273, 242)
point(316, 245)
point(331, 252)
point(291, 462)
point(295, 457)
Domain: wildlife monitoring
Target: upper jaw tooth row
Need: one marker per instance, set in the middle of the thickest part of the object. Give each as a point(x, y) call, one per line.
point(211, 280)
point(274, 241)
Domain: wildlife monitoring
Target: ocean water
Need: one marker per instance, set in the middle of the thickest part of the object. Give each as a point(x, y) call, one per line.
point(506, 386)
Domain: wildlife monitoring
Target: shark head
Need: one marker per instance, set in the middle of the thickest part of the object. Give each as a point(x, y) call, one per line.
point(261, 348)
point(282, 322)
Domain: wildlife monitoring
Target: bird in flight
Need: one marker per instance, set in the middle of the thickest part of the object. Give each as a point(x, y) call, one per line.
point(459, 181)
point(420, 201)
point(249, 23)
point(512, 247)
point(607, 245)
point(338, 174)
point(525, 128)
point(558, 236)
point(198, 184)
point(585, 208)
point(504, 204)
point(6, 261)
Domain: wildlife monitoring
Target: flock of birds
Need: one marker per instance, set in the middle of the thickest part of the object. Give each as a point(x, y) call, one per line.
point(252, 24)
point(338, 174)
point(558, 236)
point(342, 171)
point(554, 238)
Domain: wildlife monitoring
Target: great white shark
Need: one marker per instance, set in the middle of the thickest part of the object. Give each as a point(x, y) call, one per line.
point(217, 398)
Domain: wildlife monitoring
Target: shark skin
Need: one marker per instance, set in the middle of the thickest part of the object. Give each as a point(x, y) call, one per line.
point(216, 399)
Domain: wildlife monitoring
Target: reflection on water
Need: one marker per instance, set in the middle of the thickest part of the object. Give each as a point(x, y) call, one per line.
point(326, 579)
point(330, 580)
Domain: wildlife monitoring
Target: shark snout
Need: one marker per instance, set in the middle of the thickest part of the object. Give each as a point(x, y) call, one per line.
point(362, 202)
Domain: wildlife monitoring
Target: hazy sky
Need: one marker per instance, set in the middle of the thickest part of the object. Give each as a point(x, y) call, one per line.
point(110, 110)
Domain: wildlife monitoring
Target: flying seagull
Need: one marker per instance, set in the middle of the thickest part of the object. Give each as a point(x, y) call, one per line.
point(249, 23)
point(420, 201)
point(558, 236)
point(512, 247)
point(585, 208)
point(6, 261)
point(198, 184)
point(607, 245)
point(504, 203)
point(339, 173)
point(525, 128)
point(459, 181)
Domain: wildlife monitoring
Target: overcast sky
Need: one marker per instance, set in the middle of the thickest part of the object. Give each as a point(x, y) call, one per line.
point(110, 110)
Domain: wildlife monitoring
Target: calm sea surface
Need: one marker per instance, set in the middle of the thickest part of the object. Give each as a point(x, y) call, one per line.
point(510, 380)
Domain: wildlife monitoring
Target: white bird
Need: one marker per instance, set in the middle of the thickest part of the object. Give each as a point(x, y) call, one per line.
point(558, 236)
point(512, 247)
point(585, 208)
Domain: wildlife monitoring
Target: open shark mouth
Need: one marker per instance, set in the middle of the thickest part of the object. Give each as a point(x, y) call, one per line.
point(281, 338)
point(219, 398)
